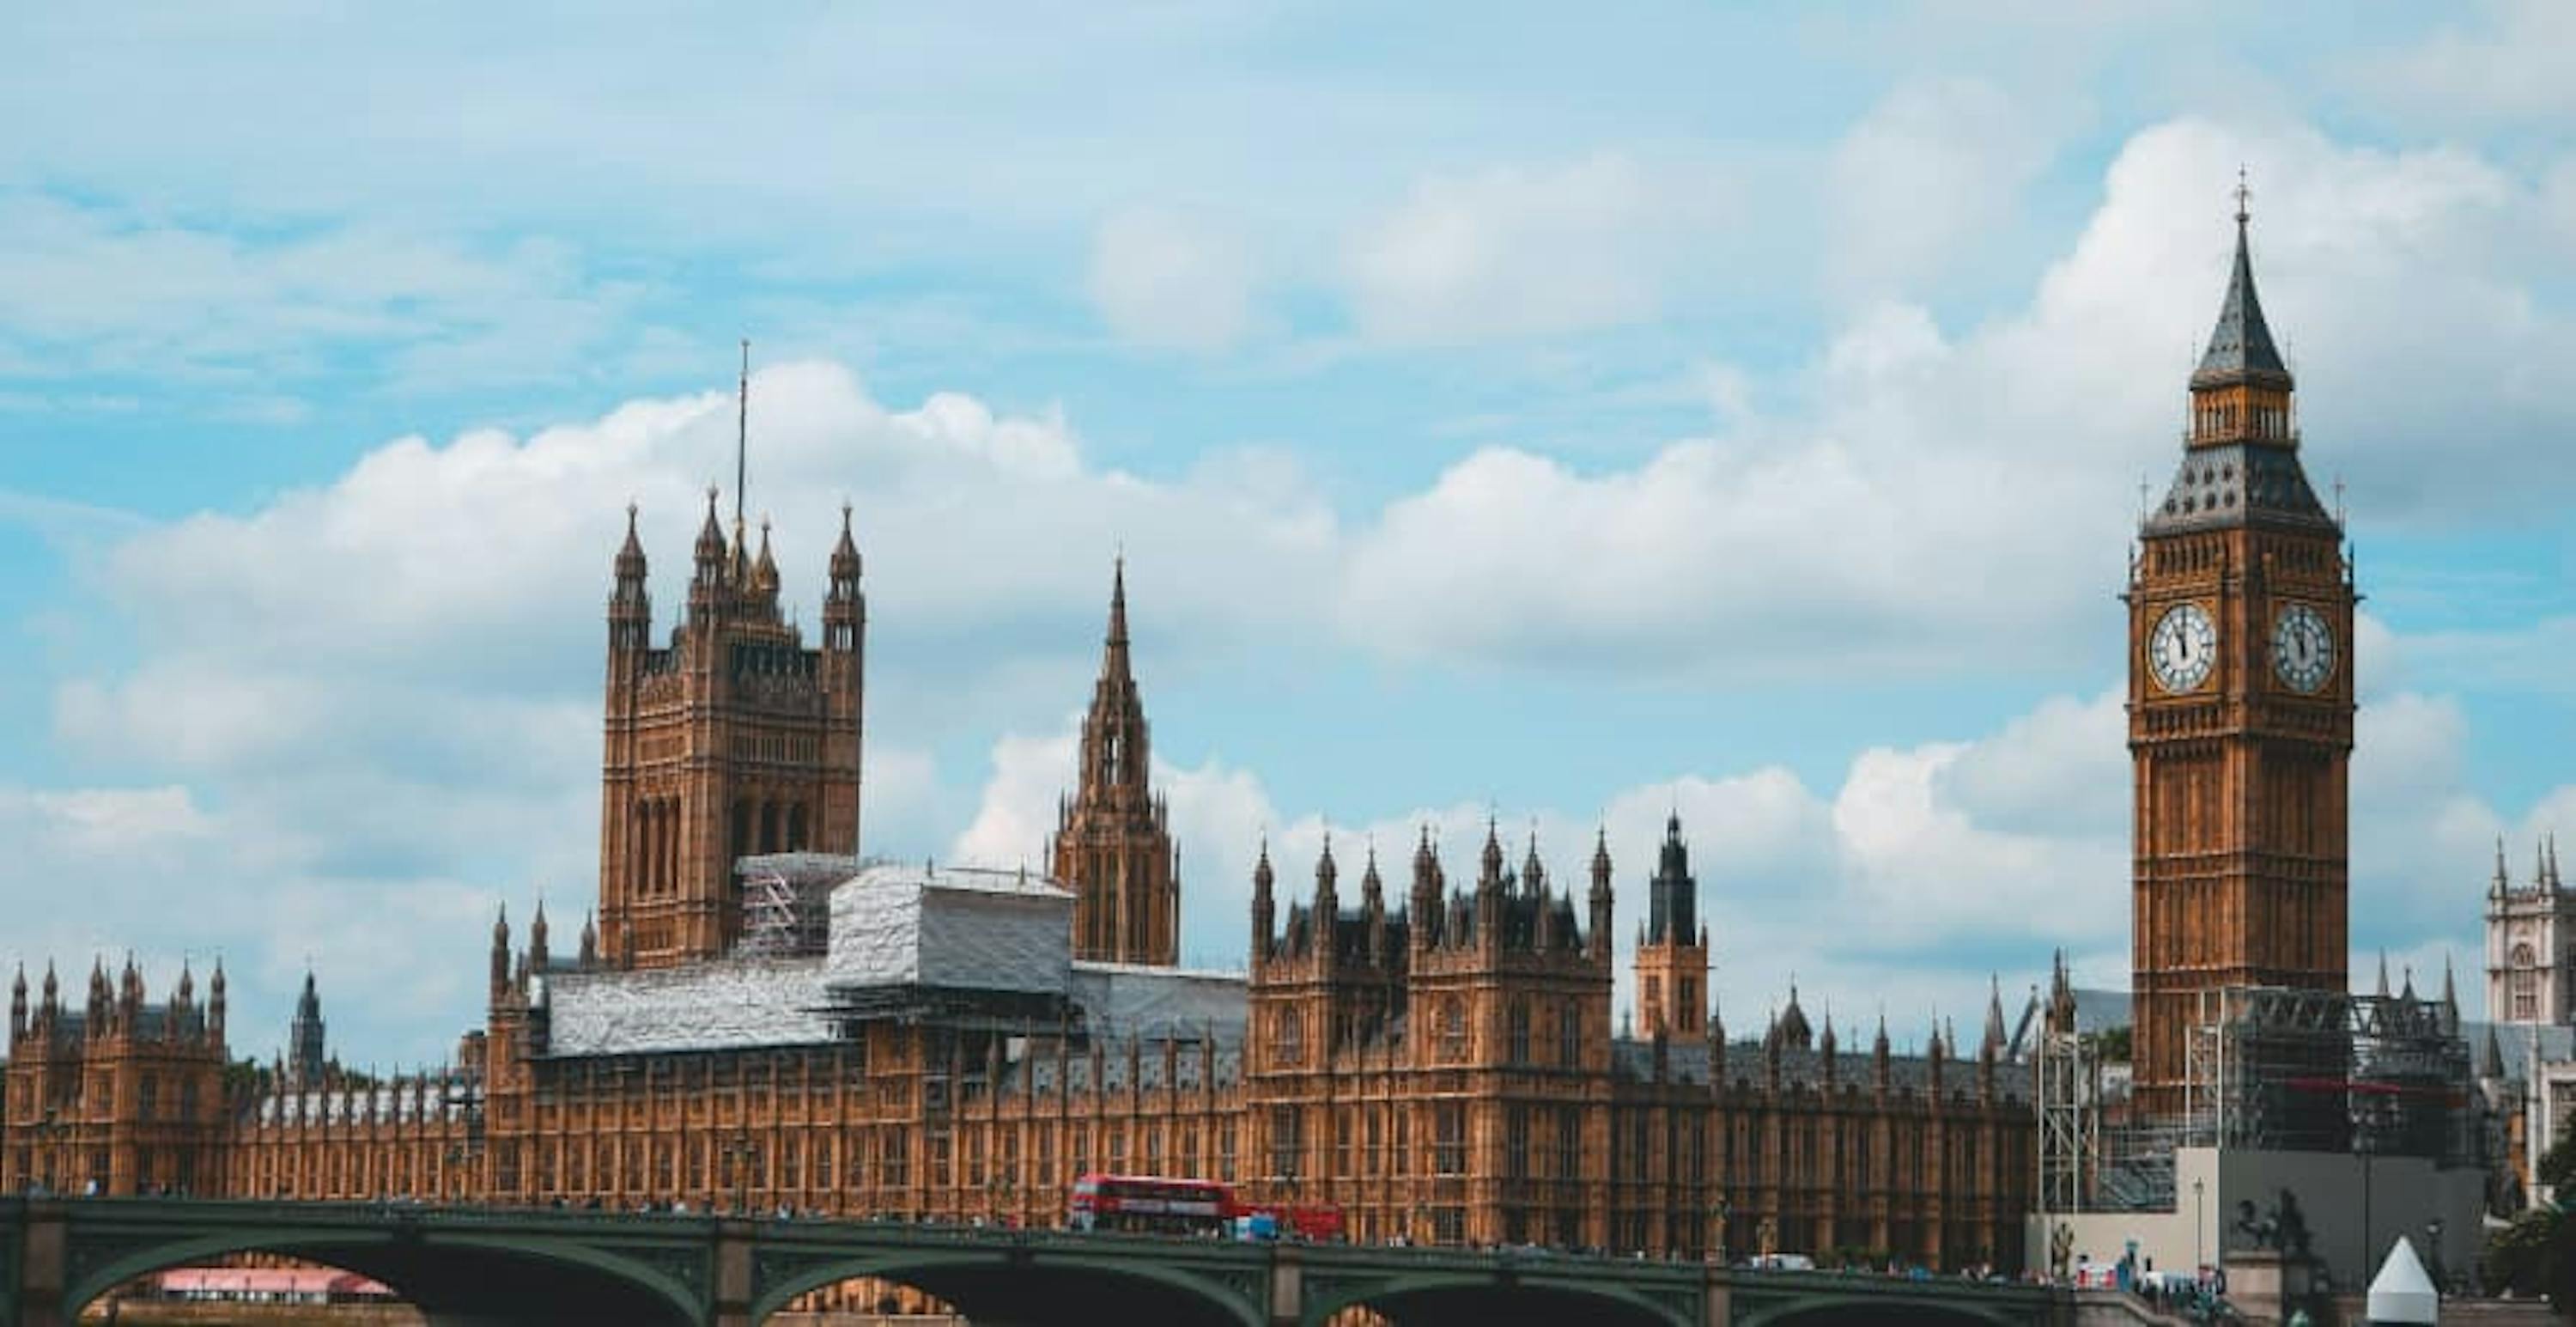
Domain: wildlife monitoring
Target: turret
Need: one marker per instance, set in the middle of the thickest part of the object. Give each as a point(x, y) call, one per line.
point(1602, 939)
point(304, 1037)
point(1263, 915)
point(1489, 889)
point(844, 610)
point(764, 571)
point(1793, 1027)
point(1373, 911)
point(707, 577)
point(590, 942)
point(1672, 900)
point(1990, 1048)
point(1880, 1060)
point(95, 1014)
point(51, 1006)
point(1328, 908)
point(129, 995)
point(2450, 1000)
point(500, 976)
point(1425, 906)
point(630, 604)
point(1716, 1046)
point(215, 1004)
point(18, 1004)
point(1828, 1049)
point(537, 954)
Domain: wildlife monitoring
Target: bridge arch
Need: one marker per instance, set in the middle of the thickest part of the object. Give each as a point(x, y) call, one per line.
point(1025, 1285)
point(486, 1277)
point(1506, 1299)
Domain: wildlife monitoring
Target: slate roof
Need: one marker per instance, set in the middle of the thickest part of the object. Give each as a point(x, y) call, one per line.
point(2240, 347)
point(2240, 483)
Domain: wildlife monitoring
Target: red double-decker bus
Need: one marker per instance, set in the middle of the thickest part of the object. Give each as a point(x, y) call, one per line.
point(1152, 1204)
point(1315, 1223)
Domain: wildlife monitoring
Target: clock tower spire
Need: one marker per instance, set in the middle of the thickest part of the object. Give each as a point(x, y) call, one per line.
point(2240, 711)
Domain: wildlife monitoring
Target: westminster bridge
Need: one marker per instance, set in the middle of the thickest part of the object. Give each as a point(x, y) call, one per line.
point(509, 1267)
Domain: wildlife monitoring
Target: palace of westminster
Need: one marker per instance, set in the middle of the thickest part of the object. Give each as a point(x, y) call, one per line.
point(760, 1017)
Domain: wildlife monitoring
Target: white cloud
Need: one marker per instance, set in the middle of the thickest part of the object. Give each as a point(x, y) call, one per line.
point(111, 290)
point(1935, 166)
point(2510, 67)
point(1519, 251)
point(1160, 278)
point(1876, 528)
point(384, 686)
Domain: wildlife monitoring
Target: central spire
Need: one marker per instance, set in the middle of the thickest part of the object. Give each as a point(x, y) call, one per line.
point(1113, 660)
point(1112, 844)
point(2240, 346)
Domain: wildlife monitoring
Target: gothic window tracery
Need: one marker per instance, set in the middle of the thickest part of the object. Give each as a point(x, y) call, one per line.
point(2525, 986)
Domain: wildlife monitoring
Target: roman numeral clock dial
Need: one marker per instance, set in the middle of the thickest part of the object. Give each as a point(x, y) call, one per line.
point(2303, 648)
point(2183, 648)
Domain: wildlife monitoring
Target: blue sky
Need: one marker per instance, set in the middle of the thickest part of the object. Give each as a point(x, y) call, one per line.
point(1546, 414)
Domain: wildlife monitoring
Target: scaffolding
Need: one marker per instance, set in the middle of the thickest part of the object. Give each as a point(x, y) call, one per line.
point(2267, 1068)
point(2270, 1068)
point(786, 901)
point(2068, 1069)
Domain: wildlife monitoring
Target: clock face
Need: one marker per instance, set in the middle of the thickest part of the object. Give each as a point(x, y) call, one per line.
point(2183, 648)
point(2303, 648)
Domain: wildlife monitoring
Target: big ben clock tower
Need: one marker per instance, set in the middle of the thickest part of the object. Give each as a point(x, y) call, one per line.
point(2240, 710)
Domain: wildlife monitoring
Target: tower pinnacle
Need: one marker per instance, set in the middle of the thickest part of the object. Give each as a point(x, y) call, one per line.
point(1112, 846)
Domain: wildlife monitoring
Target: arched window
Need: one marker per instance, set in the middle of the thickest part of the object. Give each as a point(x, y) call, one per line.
point(1453, 1028)
point(1520, 1032)
point(2525, 986)
point(796, 827)
point(1291, 1036)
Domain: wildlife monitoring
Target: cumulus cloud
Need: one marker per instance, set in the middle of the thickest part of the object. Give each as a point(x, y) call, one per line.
point(1919, 895)
point(1936, 165)
point(2508, 63)
point(379, 693)
point(1873, 527)
point(1160, 278)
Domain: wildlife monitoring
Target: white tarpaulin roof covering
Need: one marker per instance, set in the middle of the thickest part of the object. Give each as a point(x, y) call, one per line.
point(1123, 1000)
point(956, 928)
point(703, 1006)
point(2401, 1292)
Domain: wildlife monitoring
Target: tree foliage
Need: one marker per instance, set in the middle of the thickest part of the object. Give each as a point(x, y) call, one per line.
point(2536, 1256)
point(2556, 1167)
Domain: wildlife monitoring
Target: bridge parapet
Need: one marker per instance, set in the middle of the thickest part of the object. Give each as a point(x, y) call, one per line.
point(507, 1265)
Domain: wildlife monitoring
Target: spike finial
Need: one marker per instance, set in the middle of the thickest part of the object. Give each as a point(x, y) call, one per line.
point(742, 434)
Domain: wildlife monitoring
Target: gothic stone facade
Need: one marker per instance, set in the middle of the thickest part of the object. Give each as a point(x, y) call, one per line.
point(2240, 710)
point(2531, 944)
point(1445, 1069)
